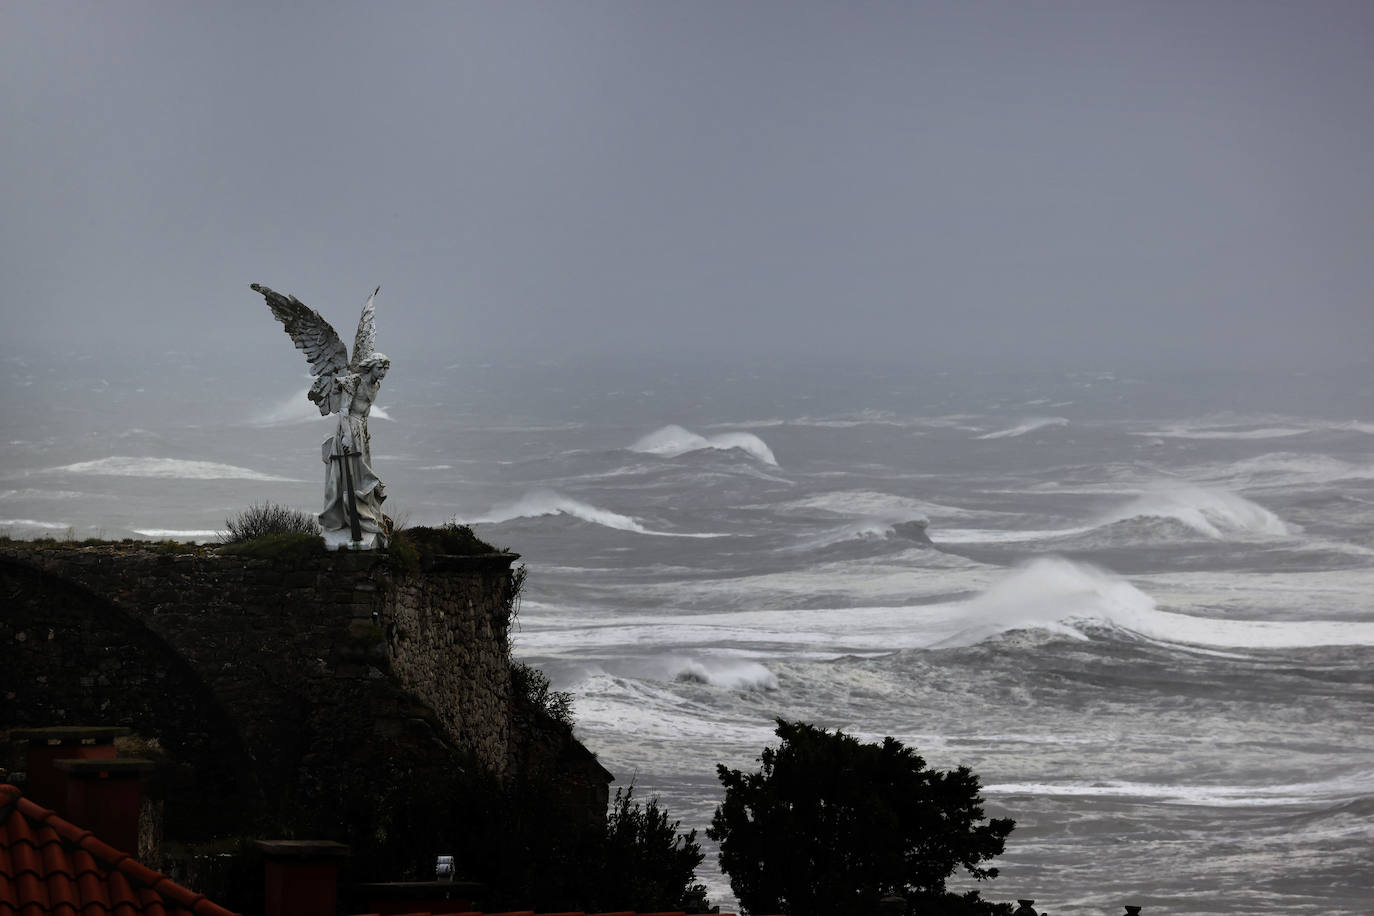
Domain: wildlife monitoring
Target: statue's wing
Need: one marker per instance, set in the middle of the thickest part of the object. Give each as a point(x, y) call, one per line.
point(313, 335)
point(365, 342)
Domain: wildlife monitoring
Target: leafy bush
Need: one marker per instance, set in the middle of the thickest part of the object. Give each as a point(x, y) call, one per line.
point(532, 686)
point(267, 519)
point(828, 826)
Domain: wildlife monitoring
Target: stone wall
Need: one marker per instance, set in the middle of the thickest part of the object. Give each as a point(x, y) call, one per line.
point(282, 687)
point(446, 639)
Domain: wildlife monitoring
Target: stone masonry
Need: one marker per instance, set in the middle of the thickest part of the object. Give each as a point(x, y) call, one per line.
point(274, 684)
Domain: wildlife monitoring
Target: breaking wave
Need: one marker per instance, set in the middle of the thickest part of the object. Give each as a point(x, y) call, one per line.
point(540, 503)
point(1214, 513)
point(123, 466)
point(671, 441)
point(1287, 469)
point(1165, 514)
point(912, 531)
point(1026, 426)
point(743, 676)
point(1068, 598)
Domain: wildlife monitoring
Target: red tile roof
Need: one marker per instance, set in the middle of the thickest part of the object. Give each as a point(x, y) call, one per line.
point(532, 913)
point(50, 867)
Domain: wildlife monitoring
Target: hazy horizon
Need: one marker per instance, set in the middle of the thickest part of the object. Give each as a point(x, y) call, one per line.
point(1051, 185)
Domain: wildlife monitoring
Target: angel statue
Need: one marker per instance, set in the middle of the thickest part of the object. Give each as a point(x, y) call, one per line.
point(353, 495)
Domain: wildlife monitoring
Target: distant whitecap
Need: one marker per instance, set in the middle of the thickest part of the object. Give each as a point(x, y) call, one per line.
point(671, 441)
point(181, 469)
point(1026, 426)
point(180, 534)
point(540, 503)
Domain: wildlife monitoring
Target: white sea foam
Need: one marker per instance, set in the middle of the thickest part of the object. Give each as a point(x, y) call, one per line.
point(1003, 535)
point(1185, 431)
point(871, 504)
point(124, 466)
point(539, 503)
point(42, 494)
point(1228, 796)
point(1028, 425)
point(671, 441)
point(1212, 512)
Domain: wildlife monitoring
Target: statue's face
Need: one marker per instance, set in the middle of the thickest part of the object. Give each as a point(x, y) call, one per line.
point(374, 369)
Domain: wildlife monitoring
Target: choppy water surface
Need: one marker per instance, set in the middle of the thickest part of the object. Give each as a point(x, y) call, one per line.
point(1139, 608)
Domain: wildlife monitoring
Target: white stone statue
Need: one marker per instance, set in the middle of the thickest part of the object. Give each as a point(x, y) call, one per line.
point(348, 388)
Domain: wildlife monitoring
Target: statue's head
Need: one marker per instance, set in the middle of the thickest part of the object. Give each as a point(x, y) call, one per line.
point(374, 368)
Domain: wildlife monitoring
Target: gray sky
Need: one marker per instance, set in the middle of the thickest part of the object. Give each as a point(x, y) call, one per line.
point(1092, 183)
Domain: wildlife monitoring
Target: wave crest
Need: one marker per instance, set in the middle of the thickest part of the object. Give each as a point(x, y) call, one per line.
point(1215, 513)
point(540, 503)
point(743, 676)
point(672, 440)
point(1061, 597)
point(1048, 593)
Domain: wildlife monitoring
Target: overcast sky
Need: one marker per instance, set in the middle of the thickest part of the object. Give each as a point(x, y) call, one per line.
point(1092, 183)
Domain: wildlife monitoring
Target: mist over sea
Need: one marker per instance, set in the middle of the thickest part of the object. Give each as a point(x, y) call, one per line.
point(1137, 605)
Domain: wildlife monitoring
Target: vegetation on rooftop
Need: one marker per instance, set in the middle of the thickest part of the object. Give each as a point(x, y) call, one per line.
point(450, 539)
point(281, 548)
point(69, 542)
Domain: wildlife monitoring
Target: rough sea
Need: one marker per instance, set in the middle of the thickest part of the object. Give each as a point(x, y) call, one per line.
point(1139, 606)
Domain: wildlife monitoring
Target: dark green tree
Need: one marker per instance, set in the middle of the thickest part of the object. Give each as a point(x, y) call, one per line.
point(829, 825)
point(650, 866)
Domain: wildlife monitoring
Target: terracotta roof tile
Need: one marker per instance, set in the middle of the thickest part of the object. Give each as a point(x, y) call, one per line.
point(152, 903)
point(31, 890)
point(207, 907)
point(61, 890)
point(50, 867)
point(532, 913)
point(56, 861)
